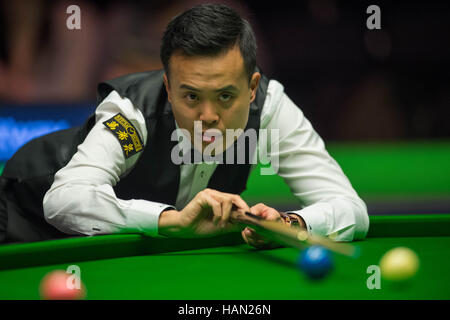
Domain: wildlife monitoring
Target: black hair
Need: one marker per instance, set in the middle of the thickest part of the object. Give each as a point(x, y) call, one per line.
point(209, 30)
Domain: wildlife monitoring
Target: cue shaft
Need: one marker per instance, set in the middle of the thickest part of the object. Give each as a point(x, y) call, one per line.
point(292, 237)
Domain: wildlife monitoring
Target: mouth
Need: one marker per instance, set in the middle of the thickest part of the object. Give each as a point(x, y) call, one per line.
point(209, 136)
point(208, 139)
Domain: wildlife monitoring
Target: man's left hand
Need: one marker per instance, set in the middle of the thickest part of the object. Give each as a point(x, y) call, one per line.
point(252, 237)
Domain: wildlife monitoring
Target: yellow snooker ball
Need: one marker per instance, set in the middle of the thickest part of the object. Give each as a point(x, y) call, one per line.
point(399, 264)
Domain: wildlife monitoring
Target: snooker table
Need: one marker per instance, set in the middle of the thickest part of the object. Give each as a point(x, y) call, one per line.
point(132, 266)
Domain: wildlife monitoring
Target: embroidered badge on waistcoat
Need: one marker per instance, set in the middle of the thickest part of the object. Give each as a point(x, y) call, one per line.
point(126, 133)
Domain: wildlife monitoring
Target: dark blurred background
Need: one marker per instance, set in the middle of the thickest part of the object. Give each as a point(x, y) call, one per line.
point(351, 82)
point(379, 98)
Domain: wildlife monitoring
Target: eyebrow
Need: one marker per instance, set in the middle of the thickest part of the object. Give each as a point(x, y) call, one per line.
point(226, 88)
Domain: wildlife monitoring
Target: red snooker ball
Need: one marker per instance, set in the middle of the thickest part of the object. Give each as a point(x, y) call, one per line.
point(56, 286)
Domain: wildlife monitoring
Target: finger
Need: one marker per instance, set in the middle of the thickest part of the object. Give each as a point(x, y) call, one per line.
point(236, 199)
point(244, 236)
point(227, 205)
point(257, 208)
point(226, 202)
point(224, 197)
point(255, 243)
point(254, 235)
point(265, 212)
point(247, 236)
point(215, 205)
point(253, 238)
point(256, 212)
point(240, 203)
point(249, 231)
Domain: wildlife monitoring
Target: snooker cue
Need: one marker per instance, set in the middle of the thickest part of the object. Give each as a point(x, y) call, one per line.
point(292, 237)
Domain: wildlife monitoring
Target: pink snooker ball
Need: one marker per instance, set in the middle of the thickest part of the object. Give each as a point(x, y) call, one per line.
point(56, 286)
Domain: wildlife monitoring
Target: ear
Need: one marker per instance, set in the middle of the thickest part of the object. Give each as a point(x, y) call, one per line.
point(166, 84)
point(254, 83)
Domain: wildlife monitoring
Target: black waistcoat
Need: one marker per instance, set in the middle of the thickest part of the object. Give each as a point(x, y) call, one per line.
point(30, 172)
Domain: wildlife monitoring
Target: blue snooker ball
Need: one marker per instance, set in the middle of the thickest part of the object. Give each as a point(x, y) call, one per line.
point(316, 262)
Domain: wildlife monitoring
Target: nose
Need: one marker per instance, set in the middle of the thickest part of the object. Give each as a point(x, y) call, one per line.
point(209, 115)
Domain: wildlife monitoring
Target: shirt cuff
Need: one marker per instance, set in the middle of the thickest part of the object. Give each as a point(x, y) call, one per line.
point(316, 223)
point(143, 216)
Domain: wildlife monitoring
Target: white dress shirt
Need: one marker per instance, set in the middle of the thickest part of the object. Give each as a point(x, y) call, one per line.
point(82, 200)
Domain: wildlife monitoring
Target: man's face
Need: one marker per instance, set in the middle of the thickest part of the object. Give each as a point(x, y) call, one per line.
point(213, 90)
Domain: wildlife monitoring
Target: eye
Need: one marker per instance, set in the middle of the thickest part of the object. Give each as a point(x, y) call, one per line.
point(191, 97)
point(224, 97)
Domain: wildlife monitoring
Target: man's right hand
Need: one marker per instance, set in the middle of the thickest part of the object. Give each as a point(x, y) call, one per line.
point(207, 214)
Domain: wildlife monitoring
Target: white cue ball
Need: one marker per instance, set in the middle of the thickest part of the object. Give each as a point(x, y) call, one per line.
point(399, 264)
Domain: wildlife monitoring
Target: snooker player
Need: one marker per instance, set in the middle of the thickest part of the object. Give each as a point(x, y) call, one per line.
point(117, 174)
